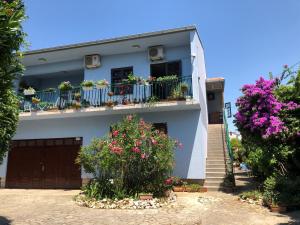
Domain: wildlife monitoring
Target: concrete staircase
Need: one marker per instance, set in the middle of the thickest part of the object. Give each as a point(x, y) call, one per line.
point(216, 158)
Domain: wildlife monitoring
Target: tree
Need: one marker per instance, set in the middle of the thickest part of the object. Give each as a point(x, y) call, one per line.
point(11, 39)
point(268, 119)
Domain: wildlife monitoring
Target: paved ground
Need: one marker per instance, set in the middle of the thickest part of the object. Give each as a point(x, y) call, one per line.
point(56, 207)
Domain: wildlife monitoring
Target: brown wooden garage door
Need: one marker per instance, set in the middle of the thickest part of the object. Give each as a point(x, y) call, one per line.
point(44, 163)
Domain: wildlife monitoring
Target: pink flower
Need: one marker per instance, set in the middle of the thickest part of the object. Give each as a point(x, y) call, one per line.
point(114, 142)
point(117, 150)
point(154, 142)
point(123, 135)
point(168, 181)
point(138, 143)
point(144, 156)
point(136, 150)
point(142, 122)
point(115, 133)
point(129, 117)
point(285, 66)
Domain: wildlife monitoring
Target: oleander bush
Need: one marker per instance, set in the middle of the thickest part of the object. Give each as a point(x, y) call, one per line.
point(134, 158)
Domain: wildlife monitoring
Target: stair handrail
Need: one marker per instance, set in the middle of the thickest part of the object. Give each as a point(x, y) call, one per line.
point(227, 138)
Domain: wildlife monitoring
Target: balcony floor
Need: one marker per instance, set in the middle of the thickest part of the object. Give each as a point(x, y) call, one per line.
point(120, 109)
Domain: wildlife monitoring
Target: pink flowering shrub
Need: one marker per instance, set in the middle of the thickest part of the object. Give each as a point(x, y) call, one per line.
point(259, 109)
point(133, 158)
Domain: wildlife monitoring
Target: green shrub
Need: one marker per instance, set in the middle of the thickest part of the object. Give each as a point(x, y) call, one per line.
point(254, 195)
point(134, 157)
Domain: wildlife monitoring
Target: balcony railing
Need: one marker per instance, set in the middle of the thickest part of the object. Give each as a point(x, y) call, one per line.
point(108, 95)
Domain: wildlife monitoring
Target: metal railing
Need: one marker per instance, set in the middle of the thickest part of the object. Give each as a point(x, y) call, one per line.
point(227, 138)
point(108, 95)
point(230, 180)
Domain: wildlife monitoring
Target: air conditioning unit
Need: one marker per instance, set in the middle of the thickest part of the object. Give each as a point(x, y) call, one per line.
point(92, 61)
point(156, 53)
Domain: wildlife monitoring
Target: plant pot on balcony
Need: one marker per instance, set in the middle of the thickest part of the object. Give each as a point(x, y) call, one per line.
point(101, 86)
point(146, 196)
point(87, 88)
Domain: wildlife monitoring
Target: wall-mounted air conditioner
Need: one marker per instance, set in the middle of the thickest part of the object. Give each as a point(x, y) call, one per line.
point(156, 53)
point(92, 61)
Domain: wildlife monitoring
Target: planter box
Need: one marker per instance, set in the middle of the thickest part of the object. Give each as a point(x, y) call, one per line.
point(178, 189)
point(145, 196)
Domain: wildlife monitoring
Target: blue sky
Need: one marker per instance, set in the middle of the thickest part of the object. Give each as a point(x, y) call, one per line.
point(243, 39)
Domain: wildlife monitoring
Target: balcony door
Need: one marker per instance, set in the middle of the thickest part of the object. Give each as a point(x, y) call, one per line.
point(163, 90)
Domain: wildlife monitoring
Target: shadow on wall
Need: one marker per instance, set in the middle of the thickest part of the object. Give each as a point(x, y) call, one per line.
point(4, 221)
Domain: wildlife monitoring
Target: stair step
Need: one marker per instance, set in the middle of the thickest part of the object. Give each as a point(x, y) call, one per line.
point(214, 162)
point(215, 166)
point(215, 170)
point(215, 174)
point(215, 158)
point(217, 179)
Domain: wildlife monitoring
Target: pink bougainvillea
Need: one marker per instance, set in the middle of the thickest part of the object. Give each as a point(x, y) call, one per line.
point(259, 109)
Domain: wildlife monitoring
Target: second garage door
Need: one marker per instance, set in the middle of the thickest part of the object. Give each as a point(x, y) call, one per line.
point(44, 163)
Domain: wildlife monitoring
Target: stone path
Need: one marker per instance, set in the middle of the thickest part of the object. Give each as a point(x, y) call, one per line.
point(56, 207)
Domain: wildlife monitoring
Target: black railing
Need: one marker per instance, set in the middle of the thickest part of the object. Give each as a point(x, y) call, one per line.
point(109, 95)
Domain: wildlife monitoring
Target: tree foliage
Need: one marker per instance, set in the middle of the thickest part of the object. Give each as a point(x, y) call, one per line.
point(268, 119)
point(11, 39)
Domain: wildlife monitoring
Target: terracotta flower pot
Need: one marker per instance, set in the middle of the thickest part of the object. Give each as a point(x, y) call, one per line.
point(178, 189)
point(202, 189)
point(145, 196)
point(278, 208)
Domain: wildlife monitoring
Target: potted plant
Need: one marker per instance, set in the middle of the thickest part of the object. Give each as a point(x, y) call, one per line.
point(101, 84)
point(184, 87)
point(193, 188)
point(177, 184)
point(76, 105)
point(110, 94)
point(77, 96)
point(65, 86)
point(167, 78)
point(110, 103)
point(87, 85)
point(145, 196)
point(29, 91)
point(132, 79)
point(35, 100)
point(277, 207)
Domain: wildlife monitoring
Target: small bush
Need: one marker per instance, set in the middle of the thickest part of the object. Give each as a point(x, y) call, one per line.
point(254, 195)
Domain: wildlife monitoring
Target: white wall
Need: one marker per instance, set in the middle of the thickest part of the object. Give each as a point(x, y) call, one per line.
point(182, 125)
point(199, 93)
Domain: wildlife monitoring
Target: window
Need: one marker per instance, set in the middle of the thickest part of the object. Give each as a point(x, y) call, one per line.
point(165, 69)
point(117, 76)
point(162, 127)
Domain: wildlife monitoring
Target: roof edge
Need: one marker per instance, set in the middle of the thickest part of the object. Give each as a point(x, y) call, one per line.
point(112, 40)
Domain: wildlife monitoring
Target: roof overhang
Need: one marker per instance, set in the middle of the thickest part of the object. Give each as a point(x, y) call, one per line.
point(120, 45)
point(215, 84)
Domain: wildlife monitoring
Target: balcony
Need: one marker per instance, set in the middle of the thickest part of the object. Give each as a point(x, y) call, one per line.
point(125, 97)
